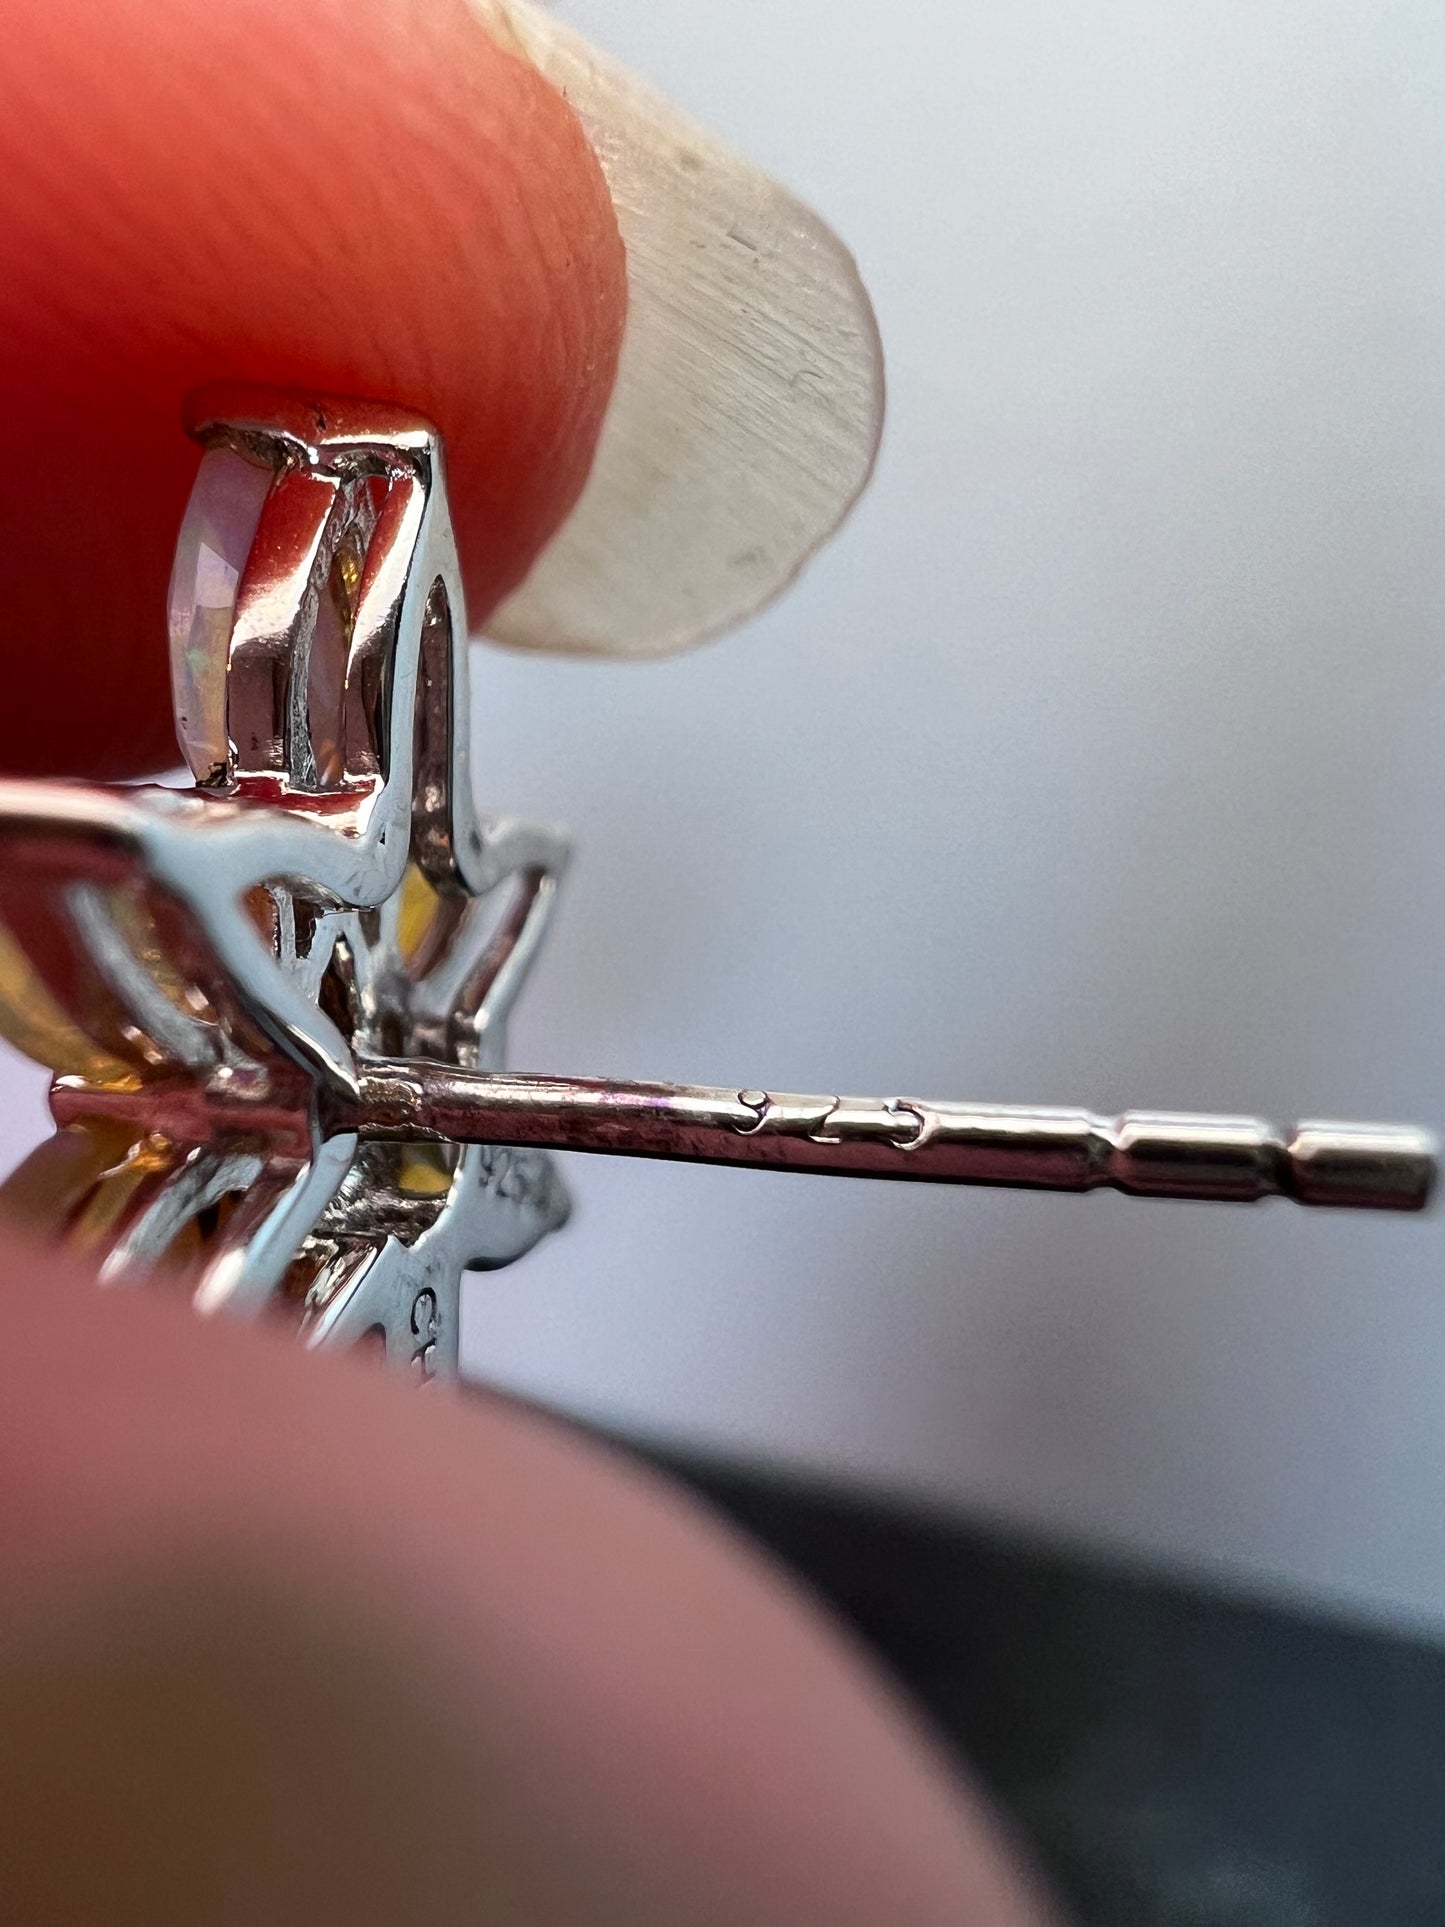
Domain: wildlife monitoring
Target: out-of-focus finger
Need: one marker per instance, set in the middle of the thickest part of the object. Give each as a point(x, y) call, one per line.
point(286, 1640)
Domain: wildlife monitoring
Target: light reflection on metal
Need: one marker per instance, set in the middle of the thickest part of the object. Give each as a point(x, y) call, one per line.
point(276, 1003)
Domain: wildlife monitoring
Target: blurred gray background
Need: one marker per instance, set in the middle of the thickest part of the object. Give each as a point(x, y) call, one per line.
point(1098, 760)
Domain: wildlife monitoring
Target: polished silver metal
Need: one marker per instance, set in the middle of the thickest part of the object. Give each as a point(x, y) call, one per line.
point(221, 959)
point(1148, 1154)
point(276, 1002)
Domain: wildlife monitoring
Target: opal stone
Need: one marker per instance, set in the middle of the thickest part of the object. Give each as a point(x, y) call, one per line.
point(216, 535)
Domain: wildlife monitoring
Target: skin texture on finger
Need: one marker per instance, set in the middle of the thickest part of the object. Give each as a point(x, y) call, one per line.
point(367, 197)
point(540, 1687)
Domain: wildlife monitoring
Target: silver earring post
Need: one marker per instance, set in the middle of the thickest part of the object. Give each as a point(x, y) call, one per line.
point(275, 1003)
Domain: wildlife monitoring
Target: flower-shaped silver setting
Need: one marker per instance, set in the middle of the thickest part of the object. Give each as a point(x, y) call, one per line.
point(205, 968)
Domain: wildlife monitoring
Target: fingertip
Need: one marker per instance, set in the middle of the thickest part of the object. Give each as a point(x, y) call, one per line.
point(649, 1722)
point(374, 197)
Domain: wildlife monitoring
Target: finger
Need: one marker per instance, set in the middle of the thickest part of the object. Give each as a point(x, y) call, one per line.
point(369, 197)
point(274, 1621)
point(749, 395)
